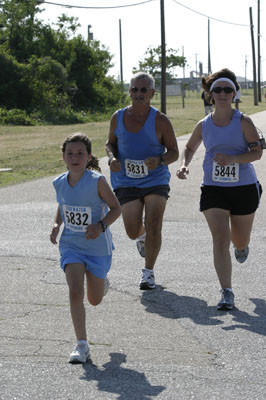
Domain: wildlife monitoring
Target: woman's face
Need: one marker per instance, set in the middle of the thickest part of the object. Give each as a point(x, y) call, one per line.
point(223, 93)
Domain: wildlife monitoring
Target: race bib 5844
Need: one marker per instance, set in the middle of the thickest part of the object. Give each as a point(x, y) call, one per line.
point(227, 173)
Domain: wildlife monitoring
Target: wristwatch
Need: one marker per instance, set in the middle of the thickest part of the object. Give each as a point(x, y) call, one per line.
point(104, 226)
point(161, 160)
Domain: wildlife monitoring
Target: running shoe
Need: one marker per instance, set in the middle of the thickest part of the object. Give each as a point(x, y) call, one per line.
point(141, 245)
point(80, 354)
point(147, 281)
point(227, 300)
point(241, 255)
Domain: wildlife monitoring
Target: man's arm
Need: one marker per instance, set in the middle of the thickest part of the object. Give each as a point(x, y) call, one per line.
point(111, 146)
point(166, 136)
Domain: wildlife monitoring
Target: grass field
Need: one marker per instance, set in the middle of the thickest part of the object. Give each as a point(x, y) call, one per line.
point(34, 152)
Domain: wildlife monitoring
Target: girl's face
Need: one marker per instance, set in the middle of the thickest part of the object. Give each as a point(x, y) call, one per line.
point(76, 156)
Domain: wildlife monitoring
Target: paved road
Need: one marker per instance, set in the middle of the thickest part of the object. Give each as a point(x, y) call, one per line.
point(170, 343)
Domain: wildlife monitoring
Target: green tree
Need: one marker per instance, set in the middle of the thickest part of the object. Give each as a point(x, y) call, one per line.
point(52, 65)
point(19, 27)
point(152, 62)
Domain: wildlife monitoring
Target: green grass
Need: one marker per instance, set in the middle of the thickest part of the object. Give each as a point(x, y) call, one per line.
point(35, 152)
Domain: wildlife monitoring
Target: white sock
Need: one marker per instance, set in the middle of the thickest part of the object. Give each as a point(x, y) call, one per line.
point(83, 343)
point(148, 270)
point(142, 237)
point(230, 290)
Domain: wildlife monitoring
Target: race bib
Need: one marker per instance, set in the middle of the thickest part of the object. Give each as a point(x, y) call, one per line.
point(228, 173)
point(77, 218)
point(136, 168)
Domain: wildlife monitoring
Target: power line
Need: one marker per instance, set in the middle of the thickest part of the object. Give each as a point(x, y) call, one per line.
point(207, 16)
point(102, 8)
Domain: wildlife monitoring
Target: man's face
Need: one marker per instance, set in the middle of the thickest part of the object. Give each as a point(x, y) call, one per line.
point(140, 91)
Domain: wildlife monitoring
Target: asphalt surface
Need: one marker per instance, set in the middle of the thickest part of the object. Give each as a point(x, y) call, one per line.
point(170, 343)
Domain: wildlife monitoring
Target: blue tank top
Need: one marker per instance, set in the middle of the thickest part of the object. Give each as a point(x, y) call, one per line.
point(230, 140)
point(80, 206)
point(132, 149)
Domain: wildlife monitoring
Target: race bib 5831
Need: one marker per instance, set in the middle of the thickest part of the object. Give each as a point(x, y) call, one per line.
point(136, 168)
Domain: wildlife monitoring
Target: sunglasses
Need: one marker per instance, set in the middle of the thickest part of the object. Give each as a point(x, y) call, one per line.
point(142, 90)
point(226, 89)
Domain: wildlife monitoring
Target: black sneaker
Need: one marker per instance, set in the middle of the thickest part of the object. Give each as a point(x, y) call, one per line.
point(241, 255)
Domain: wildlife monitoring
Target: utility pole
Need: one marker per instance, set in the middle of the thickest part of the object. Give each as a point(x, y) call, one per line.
point(246, 61)
point(209, 51)
point(259, 58)
point(163, 61)
point(121, 55)
point(253, 58)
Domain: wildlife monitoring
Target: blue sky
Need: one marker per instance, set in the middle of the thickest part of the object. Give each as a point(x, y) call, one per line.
point(185, 30)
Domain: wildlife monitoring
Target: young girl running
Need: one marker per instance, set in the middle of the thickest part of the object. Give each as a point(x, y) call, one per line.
point(86, 206)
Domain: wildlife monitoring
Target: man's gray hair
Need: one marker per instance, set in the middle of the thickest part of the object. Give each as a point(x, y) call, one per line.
point(143, 75)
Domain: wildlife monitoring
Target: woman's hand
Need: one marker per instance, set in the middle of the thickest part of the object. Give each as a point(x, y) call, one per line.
point(182, 172)
point(223, 159)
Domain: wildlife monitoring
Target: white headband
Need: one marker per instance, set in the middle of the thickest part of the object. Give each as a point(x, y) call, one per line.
point(223, 79)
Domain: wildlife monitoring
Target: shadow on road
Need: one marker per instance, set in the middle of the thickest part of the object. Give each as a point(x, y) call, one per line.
point(127, 383)
point(252, 323)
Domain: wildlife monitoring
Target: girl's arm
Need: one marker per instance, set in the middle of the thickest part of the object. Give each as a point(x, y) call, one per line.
point(189, 151)
point(56, 227)
point(107, 195)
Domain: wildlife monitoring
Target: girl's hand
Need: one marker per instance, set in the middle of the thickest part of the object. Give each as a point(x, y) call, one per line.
point(182, 172)
point(93, 231)
point(54, 234)
point(223, 159)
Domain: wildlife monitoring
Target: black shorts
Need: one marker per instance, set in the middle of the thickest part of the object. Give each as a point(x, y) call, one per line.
point(125, 195)
point(239, 200)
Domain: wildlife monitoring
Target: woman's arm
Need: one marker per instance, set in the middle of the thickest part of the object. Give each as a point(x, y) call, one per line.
point(189, 151)
point(251, 136)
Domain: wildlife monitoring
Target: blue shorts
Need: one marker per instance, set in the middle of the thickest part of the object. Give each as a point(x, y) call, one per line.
point(97, 265)
point(125, 195)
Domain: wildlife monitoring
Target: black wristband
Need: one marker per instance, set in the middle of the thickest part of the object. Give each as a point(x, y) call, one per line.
point(104, 226)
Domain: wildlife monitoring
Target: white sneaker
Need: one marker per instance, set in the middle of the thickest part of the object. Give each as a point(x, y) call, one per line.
point(141, 245)
point(147, 281)
point(80, 354)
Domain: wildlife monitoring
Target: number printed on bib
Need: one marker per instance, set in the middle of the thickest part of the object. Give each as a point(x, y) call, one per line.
point(77, 218)
point(136, 168)
point(228, 173)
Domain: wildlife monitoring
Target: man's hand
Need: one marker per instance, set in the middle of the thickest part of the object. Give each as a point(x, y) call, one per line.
point(152, 162)
point(115, 165)
point(54, 233)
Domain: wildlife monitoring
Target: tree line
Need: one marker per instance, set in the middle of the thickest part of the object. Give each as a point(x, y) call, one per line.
point(50, 74)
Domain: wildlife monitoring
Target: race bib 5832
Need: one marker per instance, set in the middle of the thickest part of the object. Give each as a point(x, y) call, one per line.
point(77, 218)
